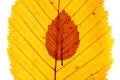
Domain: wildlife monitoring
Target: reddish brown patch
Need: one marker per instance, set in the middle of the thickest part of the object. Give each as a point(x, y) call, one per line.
point(62, 37)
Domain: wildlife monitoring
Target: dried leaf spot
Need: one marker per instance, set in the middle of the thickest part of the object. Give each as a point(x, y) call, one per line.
point(62, 37)
point(52, 2)
point(93, 13)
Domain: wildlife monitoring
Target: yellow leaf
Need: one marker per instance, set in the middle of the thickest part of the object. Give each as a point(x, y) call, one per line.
point(28, 41)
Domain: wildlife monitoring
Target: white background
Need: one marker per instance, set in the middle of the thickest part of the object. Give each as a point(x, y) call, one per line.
point(113, 6)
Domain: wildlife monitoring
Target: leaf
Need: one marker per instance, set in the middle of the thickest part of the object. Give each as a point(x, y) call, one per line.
point(62, 37)
point(30, 36)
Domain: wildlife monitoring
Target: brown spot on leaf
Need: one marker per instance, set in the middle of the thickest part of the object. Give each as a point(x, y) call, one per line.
point(62, 37)
point(93, 13)
point(52, 2)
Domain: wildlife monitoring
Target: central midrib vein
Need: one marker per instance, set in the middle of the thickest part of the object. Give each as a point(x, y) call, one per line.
point(59, 41)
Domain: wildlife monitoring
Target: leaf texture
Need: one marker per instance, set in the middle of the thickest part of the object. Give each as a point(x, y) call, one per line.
point(28, 51)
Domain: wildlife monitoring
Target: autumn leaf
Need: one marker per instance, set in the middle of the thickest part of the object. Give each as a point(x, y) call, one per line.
point(59, 40)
